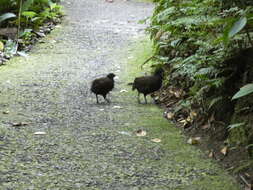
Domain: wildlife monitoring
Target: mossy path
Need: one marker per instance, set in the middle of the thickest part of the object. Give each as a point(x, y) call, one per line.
point(90, 146)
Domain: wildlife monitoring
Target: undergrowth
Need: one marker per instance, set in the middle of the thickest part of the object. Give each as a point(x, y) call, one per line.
point(206, 48)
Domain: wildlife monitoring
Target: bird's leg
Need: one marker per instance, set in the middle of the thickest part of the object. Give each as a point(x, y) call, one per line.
point(97, 99)
point(139, 98)
point(106, 98)
point(145, 99)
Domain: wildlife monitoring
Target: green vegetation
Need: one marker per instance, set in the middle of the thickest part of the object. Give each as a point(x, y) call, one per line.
point(189, 158)
point(21, 22)
point(206, 46)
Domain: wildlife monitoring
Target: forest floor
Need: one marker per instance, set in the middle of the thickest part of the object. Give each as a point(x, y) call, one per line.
point(53, 135)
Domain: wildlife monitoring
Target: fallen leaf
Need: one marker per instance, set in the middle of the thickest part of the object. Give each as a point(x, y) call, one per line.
point(193, 114)
point(194, 141)
point(159, 34)
point(184, 122)
point(156, 140)
point(19, 124)
point(211, 154)
point(171, 91)
point(177, 94)
point(123, 90)
point(6, 112)
point(141, 133)
point(224, 150)
point(40, 133)
point(117, 107)
point(206, 126)
point(189, 119)
point(124, 133)
point(170, 115)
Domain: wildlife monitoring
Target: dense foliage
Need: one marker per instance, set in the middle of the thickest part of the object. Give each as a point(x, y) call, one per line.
point(207, 47)
point(21, 22)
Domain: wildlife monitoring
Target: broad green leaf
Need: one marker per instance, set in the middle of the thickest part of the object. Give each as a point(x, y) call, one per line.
point(236, 125)
point(237, 26)
point(29, 14)
point(6, 16)
point(245, 90)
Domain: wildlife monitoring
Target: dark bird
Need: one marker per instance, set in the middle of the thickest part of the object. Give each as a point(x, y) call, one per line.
point(102, 86)
point(148, 84)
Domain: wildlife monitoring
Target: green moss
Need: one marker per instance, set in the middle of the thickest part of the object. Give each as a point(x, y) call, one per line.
point(189, 166)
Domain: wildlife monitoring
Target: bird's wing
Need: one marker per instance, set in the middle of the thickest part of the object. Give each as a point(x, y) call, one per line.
point(142, 82)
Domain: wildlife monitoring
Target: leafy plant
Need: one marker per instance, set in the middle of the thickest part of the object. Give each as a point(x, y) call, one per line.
point(244, 91)
point(198, 41)
point(6, 16)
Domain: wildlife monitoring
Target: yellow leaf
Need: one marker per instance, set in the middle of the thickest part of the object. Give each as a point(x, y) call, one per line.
point(194, 141)
point(224, 150)
point(193, 114)
point(170, 115)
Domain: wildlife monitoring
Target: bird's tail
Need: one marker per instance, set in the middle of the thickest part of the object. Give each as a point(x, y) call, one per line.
point(132, 84)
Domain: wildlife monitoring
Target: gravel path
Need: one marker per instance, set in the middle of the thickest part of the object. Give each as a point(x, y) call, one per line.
point(85, 145)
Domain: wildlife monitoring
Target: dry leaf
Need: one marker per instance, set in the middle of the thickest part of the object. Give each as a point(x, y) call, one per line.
point(206, 126)
point(177, 94)
point(19, 124)
point(189, 119)
point(159, 34)
point(194, 141)
point(170, 115)
point(193, 114)
point(211, 154)
point(117, 107)
point(224, 150)
point(212, 118)
point(141, 133)
point(124, 133)
point(171, 91)
point(156, 140)
point(40, 133)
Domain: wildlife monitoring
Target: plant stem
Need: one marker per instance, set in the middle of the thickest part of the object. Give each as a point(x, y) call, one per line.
point(19, 18)
point(249, 37)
